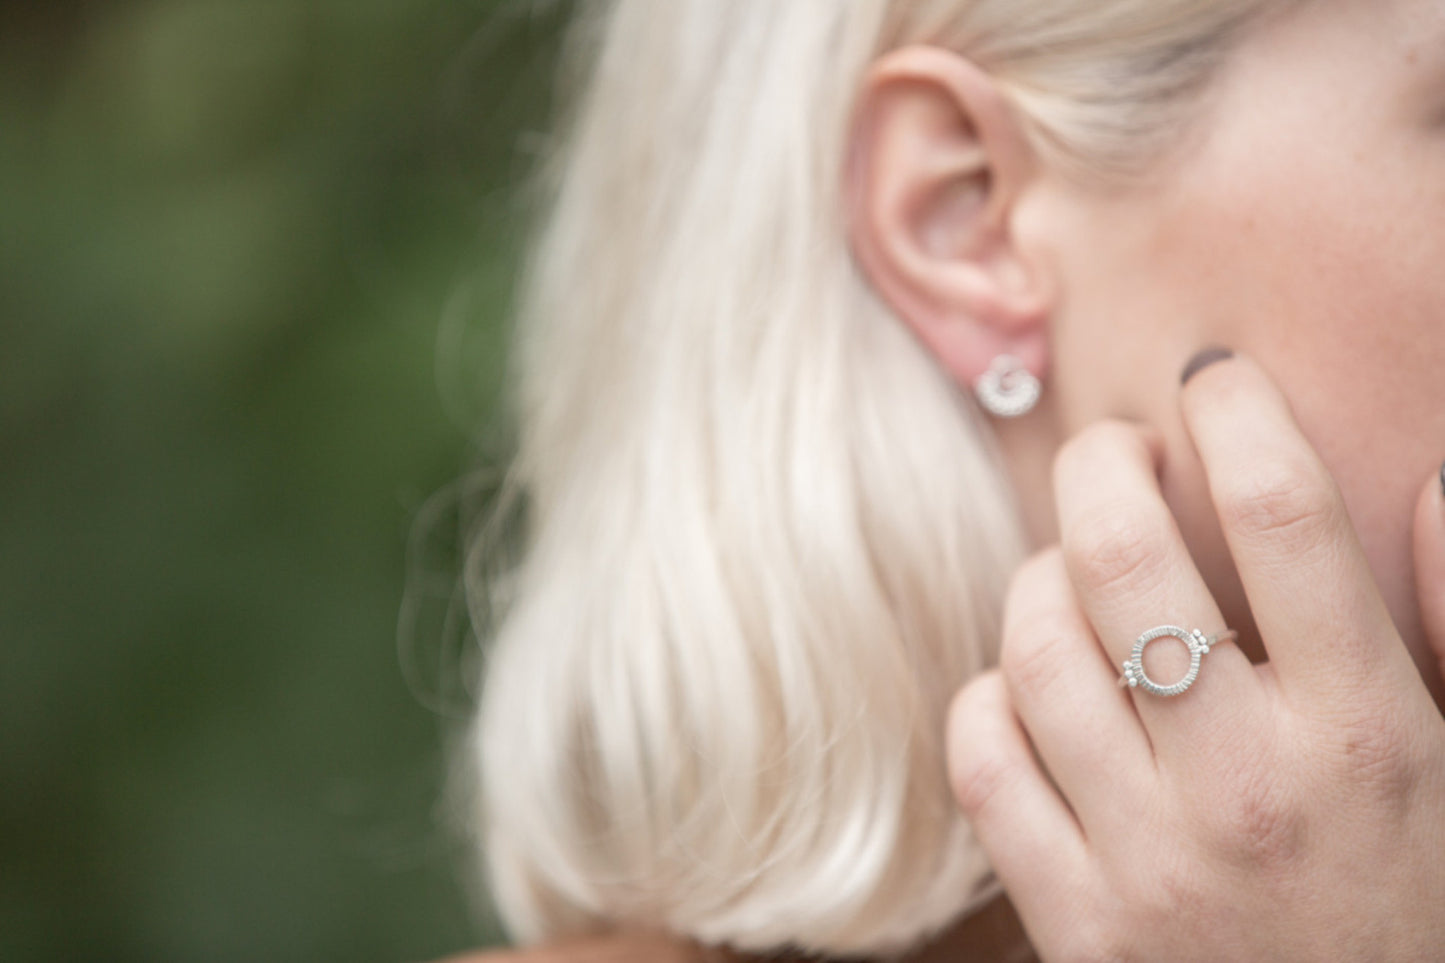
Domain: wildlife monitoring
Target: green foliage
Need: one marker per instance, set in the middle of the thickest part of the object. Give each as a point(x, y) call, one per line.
point(254, 274)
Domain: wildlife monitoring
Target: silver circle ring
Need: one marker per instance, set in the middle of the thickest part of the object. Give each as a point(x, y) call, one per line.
point(1199, 645)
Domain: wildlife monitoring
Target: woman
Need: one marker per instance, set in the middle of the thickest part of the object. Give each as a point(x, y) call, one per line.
point(783, 449)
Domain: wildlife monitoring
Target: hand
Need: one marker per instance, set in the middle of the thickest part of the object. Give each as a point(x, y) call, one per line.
point(1293, 810)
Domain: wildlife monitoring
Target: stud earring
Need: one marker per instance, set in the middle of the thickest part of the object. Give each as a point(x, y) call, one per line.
point(1008, 389)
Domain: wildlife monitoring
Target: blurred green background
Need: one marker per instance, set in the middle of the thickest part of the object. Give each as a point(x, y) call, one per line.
point(255, 266)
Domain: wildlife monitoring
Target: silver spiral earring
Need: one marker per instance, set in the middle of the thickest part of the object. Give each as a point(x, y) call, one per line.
point(1008, 389)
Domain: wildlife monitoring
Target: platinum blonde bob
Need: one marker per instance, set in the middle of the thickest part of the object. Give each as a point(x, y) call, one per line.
point(767, 539)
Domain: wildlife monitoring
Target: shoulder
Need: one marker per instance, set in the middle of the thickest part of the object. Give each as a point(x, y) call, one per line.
point(993, 934)
point(625, 948)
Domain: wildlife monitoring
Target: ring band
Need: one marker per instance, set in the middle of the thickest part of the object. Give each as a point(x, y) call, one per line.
point(1199, 644)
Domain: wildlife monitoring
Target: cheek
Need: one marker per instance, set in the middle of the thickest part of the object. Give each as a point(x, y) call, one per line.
point(1331, 276)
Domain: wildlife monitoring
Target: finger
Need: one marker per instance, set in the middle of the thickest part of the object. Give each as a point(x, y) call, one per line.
point(1026, 830)
point(1127, 560)
point(1430, 570)
point(1309, 586)
point(1063, 689)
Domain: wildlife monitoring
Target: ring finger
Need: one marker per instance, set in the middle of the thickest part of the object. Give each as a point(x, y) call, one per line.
point(1132, 572)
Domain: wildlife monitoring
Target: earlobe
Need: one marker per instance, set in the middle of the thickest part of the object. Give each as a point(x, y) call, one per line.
point(938, 165)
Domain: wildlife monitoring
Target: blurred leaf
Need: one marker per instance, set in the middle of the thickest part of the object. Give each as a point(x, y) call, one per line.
point(255, 267)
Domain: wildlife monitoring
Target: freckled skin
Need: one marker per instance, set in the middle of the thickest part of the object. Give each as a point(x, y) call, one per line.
point(1300, 223)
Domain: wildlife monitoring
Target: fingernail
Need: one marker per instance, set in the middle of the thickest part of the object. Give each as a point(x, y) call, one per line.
point(1202, 360)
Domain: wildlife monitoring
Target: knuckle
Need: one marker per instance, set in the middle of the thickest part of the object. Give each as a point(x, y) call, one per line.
point(1260, 825)
point(1177, 891)
point(1178, 886)
point(1115, 546)
point(1282, 502)
point(1381, 755)
point(1162, 894)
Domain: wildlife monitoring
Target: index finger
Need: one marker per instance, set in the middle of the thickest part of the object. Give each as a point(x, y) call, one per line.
point(1310, 588)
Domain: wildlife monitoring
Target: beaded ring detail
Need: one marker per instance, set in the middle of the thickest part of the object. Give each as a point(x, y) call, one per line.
point(1199, 645)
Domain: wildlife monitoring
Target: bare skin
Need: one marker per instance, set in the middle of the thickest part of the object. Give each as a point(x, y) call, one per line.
point(1289, 806)
point(1297, 223)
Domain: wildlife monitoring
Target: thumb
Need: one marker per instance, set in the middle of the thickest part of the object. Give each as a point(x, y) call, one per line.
point(1430, 567)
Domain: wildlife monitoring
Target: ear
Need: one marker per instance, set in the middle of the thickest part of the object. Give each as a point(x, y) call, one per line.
point(938, 165)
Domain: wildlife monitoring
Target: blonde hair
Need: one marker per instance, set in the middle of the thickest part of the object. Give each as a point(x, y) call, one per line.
point(767, 538)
